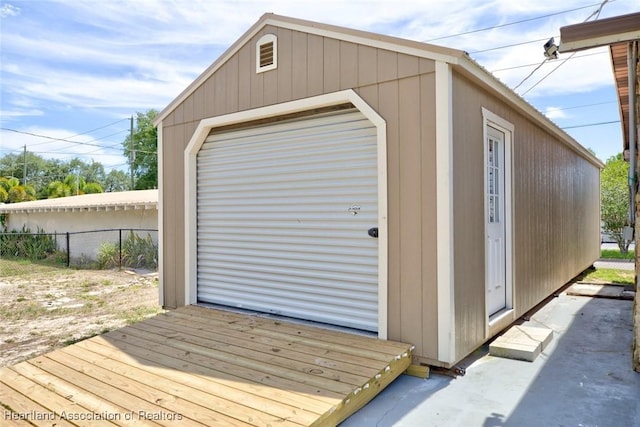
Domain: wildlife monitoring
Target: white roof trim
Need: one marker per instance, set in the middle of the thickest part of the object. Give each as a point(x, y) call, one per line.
point(139, 200)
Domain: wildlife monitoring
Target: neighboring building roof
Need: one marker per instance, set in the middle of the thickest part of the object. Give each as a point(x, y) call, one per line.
point(459, 59)
point(123, 200)
point(615, 32)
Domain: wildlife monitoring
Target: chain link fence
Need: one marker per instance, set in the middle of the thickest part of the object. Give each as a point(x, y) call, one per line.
point(96, 249)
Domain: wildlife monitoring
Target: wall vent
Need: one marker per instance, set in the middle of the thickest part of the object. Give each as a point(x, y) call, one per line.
point(266, 53)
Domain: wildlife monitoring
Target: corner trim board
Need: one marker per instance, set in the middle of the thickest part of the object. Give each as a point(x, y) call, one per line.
point(444, 213)
point(160, 218)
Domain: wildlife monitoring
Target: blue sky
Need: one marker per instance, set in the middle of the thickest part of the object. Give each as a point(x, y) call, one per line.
point(78, 69)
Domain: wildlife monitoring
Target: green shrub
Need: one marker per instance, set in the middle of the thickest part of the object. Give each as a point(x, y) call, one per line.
point(25, 244)
point(139, 252)
point(108, 256)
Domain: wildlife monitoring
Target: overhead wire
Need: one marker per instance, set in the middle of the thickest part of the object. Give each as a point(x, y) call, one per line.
point(512, 23)
point(531, 65)
point(52, 138)
point(596, 13)
point(83, 133)
point(591, 124)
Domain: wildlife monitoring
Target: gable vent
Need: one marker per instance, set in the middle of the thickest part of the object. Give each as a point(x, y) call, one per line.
point(266, 53)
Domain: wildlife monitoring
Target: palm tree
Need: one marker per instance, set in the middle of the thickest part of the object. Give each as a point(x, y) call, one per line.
point(12, 192)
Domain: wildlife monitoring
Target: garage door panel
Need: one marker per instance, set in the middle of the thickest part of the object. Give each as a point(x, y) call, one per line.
point(282, 214)
point(266, 284)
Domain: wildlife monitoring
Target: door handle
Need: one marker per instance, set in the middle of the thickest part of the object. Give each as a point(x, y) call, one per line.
point(373, 232)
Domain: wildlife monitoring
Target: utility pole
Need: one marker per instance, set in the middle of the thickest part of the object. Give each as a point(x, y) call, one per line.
point(24, 173)
point(132, 155)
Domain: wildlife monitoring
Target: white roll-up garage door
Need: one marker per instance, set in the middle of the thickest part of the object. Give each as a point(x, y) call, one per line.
point(283, 213)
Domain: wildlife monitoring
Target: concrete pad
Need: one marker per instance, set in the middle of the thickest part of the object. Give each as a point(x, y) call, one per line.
point(521, 343)
point(583, 377)
point(600, 291)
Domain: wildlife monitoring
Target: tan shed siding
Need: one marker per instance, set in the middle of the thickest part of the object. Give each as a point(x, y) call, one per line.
point(309, 65)
point(299, 82)
point(555, 212)
point(315, 65)
point(409, 165)
point(348, 65)
point(468, 211)
point(245, 71)
point(285, 68)
point(408, 108)
point(172, 204)
point(428, 211)
point(559, 209)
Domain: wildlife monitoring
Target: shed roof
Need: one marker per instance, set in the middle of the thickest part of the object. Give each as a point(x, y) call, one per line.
point(459, 59)
point(123, 200)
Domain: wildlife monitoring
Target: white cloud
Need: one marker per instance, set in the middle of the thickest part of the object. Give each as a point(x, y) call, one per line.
point(555, 113)
point(7, 10)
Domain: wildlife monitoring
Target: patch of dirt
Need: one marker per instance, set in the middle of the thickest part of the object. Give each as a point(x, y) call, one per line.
point(43, 310)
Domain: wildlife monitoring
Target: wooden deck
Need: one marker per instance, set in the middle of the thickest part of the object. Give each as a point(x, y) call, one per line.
point(201, 366)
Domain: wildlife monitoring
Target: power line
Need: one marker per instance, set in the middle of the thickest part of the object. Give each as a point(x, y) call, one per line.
point(101, 127)
point(54, 139)
point(582, 106)
point(531, 65)
point(509, 45)
point(596, 14)
point(517, 22)
point(84, 133)
point(530, 74)
point(591, 124)
point(545, 76)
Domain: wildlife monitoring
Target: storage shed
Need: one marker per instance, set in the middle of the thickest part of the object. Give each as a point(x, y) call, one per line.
point(369, 182)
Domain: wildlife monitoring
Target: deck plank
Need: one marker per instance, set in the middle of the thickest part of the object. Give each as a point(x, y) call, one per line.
point(236, 358)
point(141, 396)
point(174, 368)
point(19, 406)
point(212, 367)
point(96, 396)
point(321, 338)
point(52, 403)
point(241, 341)
point(227, 400)
point(163, 354)
point(203, 324)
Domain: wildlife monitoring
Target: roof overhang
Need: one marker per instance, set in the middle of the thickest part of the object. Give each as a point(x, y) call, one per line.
point(117, 201)
point(616, 33)
point(603, 32)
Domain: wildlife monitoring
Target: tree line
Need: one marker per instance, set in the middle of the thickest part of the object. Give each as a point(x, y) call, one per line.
point(52, 178)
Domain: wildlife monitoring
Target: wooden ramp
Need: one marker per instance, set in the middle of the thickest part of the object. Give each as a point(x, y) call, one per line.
point(201, 366)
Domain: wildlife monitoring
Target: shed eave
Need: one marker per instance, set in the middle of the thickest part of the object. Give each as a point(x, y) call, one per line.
point(394, 44)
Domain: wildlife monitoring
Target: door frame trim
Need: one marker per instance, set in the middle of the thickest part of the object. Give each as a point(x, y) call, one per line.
point(505, 316)
point(190, 183)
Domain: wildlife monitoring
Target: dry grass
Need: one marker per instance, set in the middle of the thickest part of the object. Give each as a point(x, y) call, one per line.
point(43, 307)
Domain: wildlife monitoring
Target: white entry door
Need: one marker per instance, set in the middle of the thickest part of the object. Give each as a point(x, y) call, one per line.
point(495, 217)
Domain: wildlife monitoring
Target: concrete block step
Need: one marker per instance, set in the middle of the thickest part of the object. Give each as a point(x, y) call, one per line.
point(521, 343)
